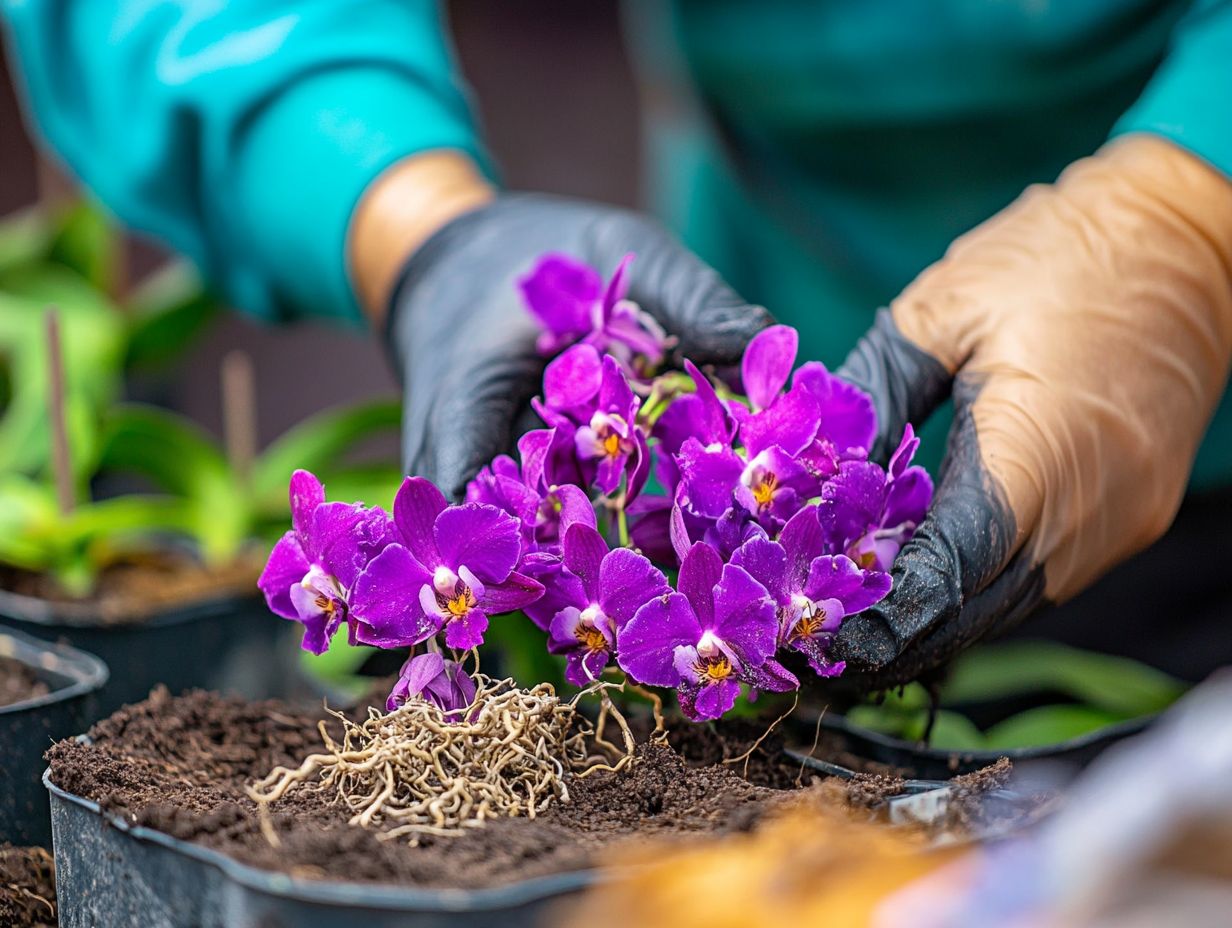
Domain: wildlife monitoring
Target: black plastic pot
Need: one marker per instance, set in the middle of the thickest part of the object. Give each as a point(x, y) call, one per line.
point(1000, 812)
point(927, 763)
point(29, 727)
point(122, 875)
point(232, 644)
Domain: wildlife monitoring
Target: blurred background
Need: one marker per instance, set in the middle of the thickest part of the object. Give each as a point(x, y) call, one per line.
point(517, 58)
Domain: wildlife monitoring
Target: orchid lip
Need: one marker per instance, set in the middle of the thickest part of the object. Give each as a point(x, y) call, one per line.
point(326, 587)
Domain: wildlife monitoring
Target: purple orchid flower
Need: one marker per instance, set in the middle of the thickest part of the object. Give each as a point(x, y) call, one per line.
point(869, 513)
point(612, 585)
point(813, 590)
point(313, 567)
point(454, 566)
point(718, 630)
point(568, 299)
point(562, 294)
point(847, 424)
point(539, 509)
point(612, 445)
point(786, 420)
point(500, 484)
point(700, 415)
point(430, 676)
point(560, 587)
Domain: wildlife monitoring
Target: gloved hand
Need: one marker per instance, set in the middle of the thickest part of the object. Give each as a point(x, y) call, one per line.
point(1085, 334)
point(464, 343)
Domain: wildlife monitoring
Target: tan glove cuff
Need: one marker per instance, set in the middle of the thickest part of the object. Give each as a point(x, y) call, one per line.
point(1093, 317)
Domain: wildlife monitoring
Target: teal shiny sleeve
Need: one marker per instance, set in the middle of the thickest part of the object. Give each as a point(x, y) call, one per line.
point(1189, 100)
point(242, 134)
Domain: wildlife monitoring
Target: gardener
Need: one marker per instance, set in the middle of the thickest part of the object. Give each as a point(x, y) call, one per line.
point(320, 157)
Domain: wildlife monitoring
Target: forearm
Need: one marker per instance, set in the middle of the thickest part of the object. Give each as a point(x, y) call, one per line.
point(244, 134)
point(399, 211)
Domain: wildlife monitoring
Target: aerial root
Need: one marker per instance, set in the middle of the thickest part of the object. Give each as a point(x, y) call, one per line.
point(416, 771)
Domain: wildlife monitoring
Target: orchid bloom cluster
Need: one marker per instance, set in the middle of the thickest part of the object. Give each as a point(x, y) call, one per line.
point(761, 503)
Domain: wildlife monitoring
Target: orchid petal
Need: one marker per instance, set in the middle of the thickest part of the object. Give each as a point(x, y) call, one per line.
point(584, 549)
point(767, 364)
point(700, 571)
point(385, 601)
point(517, 591)
point(285, 568)
point(744, 615)
point(648, 640)
point(416, 507)
point(306, 494)
point(480, 537)
point(627, 581)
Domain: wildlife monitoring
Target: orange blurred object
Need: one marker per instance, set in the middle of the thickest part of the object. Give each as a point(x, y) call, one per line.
point(812, 864)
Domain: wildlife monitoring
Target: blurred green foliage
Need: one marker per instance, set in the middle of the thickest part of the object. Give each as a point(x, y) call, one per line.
point(1083, 692)
point(71, 260)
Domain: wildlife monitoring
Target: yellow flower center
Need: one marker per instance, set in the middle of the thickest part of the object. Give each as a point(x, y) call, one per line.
point(809, 623)
point(325, 604)
point(611, 445)
point(866, 560)
point(763, 490)
point(591, 638)
point(713, 669)
point(461, 604)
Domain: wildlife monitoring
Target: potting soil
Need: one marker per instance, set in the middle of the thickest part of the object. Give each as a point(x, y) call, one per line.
point(19, 682)
point(27, 887)
point(181, 765)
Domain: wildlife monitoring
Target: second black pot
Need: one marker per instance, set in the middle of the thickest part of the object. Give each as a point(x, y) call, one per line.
point(29, 727)
point(928, 763)
point(231, 644)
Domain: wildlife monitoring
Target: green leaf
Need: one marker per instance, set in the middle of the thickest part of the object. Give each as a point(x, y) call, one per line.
point(91, 343)
point(955, 732)
point(25, 237)
point(28, 516)
point(318, 444)
point(1048, 725)
point(338, 668)
point(181, 459)
point(86, 242)
point(1115, 684)
point(168, 311)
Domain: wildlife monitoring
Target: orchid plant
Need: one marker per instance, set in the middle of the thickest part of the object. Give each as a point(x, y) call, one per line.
point(661, 525)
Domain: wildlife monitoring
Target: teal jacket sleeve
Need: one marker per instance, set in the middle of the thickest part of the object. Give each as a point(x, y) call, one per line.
point(242, 133)
point(1189, 100)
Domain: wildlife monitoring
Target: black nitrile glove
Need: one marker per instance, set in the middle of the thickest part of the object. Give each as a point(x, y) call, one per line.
point(1085, 334)
point(464, 344)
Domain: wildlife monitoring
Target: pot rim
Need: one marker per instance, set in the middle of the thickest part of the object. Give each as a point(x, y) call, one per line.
point(50, 613)
point(86, 672)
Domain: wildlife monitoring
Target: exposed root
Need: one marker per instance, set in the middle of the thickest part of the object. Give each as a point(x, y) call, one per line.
point(747, 755)
point(414, 771)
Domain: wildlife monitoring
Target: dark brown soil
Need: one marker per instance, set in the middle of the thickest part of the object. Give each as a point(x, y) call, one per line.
point(27, 887)
point(181, 765)
point(135, 589)
point(18, 681)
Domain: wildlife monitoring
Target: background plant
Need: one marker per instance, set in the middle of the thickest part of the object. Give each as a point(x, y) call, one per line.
point(187, 493)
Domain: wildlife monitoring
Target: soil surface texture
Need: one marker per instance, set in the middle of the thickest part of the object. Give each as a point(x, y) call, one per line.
point(27, 887)
point(181, 765)
point(18, 682)
point(133, 590)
